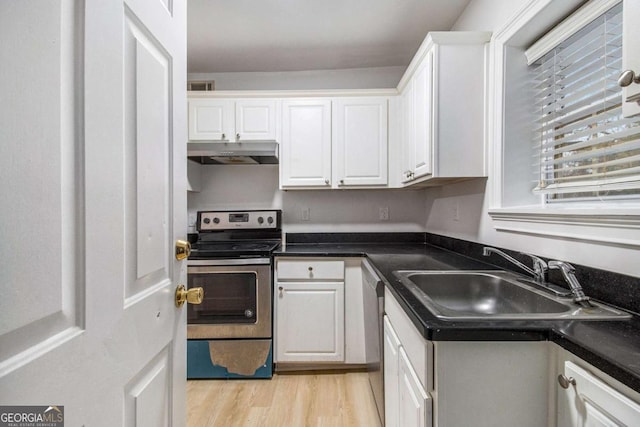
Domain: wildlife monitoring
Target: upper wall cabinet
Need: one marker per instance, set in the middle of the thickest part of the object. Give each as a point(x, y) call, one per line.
point(334, 143)
point(360, 141)
point(443, 109)
point(306, 143)
point(229, 120)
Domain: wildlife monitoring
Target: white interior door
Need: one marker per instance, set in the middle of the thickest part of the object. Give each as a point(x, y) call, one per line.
point(92, 162)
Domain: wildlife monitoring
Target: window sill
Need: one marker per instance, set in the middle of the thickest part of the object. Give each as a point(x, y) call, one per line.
point(613, 227)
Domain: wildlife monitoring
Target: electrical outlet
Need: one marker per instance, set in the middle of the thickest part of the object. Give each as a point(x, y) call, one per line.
point(383, 213)
point(305, 214)
point(455, 214)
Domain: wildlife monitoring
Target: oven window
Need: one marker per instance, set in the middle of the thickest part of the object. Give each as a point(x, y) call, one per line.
point(228, 298)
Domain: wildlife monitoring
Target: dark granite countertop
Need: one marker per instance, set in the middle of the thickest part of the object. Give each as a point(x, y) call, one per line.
point(612, 346)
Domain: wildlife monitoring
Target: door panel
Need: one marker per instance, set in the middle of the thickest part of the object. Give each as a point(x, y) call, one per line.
point(96, 198)
point(255, 119)
point(415, 403)
point(146, 396)
point(423, 112)
point(147, 151)
point(310, 325)
point(211, 119)
point(361, 140)
point(591, 402)
point(42, 304)
point(306, 143)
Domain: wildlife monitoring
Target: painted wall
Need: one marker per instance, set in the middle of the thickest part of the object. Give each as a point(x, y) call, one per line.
point(256, 187)
point(472, 200)
point(355, 78)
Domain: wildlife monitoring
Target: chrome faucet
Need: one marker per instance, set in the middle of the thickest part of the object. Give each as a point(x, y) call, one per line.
point(539, 271)
point(569, 274)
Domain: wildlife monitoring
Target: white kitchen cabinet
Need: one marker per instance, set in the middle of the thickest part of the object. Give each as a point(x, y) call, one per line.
point(443, 91)
point(211, 119)
point(462, 383)
point(391, 375)
point(306, 143)
point(334, 143)
point(414, 402)
point(417, 123)
point(407, 133)
point(232, 120)
point(407, 404)
point(309, 311)
point(589, 401)
point(631, 55)
point(360, 140)
point(408, 359)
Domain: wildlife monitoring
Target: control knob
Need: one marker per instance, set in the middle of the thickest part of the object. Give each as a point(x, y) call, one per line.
point(216, 220)
point(260, 220)
point(206, 220)
point(270, 220)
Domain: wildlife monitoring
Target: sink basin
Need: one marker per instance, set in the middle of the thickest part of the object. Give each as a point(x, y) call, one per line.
point(494, 295)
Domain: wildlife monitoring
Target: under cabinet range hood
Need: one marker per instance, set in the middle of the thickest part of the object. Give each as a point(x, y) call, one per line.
point(233, 153)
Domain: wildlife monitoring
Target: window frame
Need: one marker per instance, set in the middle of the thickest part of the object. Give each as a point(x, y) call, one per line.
point(615, 224)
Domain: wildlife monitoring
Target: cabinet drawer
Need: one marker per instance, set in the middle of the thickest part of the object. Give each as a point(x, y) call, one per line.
point(310, 269)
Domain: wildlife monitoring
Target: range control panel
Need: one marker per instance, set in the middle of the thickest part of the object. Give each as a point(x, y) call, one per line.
point(233, 220)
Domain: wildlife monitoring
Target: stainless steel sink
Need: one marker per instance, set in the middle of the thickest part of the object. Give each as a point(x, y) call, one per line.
point(494, 295)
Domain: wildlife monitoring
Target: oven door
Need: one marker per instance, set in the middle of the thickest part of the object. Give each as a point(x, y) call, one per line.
point(237, 299)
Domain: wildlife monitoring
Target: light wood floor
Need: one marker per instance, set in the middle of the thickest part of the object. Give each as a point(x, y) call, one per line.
point(287, 400)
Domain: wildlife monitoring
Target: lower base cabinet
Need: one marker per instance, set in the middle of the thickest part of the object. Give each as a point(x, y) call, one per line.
point(391, 375)
point(407, 404)
point(585, 399)
point(414, 402)
point(310, 322)
point(494, 383)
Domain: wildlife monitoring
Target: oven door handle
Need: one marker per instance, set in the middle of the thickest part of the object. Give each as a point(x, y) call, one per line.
point(236, 261)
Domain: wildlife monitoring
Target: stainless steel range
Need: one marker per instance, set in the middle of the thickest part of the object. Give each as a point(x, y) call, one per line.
point(230, 333)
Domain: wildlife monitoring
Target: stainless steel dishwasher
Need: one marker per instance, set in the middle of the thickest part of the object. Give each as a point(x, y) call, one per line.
point(373, 297)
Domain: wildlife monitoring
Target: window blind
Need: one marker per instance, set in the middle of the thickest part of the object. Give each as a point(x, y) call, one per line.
point(584, 148)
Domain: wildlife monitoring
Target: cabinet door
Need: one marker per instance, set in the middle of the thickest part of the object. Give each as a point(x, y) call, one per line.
point(591, 402)
point(408, 132)
point(211, 120)
point(631, 56)
point(415, 403)
point(423, 116)
point(256, 120)
point(310, 322)
point(391, 360)
point(360, 138)
point(306, 143)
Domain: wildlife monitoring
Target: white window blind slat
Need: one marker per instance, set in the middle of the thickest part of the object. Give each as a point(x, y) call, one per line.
point(590, 77)
point(605, 143)
point(603, 164)
point(584, 123)
point(584, 148)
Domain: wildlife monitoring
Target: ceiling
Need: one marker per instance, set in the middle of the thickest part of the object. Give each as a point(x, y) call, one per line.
point(294, 35)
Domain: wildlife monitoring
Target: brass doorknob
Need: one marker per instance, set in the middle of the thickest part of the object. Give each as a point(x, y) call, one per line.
point(183, 249)
point(192, 296)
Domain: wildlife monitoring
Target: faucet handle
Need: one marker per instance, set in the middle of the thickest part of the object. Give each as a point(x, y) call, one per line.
point(539, 267)
point(537, 261)
point(561, 265)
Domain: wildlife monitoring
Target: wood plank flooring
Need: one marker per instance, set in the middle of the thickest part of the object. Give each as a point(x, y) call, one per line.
point(287, 400)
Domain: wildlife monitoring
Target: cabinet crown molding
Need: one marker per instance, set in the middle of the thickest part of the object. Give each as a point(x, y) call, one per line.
point(319, 93)
point(441, 37)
